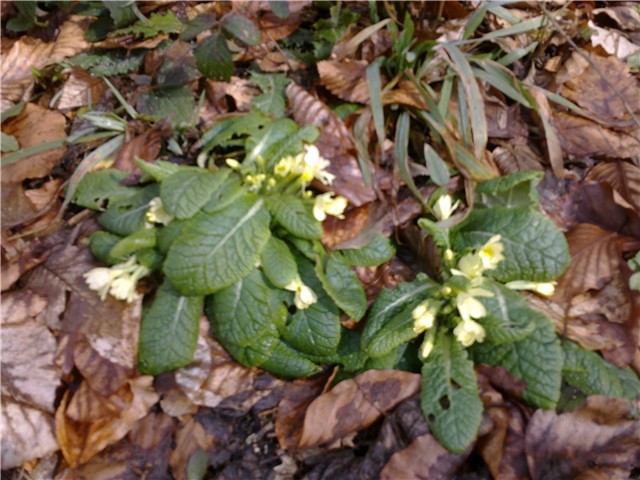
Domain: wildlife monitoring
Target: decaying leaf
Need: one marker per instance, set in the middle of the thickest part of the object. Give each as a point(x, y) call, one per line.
point(624, 177)
point(346, 79)
point(515, 158)
point(144, 144)
point(189, 439)
point(80, 89)
point(355, 404)
point(597, 441)
point(334, 143)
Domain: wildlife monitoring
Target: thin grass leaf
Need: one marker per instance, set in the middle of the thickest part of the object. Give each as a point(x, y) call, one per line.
point(402, 153)
point(445, 96)
point(498, 10)
point(474, 100)
point(128, 108)
point(517, 54)
point(474, 21)
point(352, 45)
point(438, 169)
point(375, 98)
point(463, 116)
point(362, 151)
point(528, 25)
point(501, 82)
point(33, 150)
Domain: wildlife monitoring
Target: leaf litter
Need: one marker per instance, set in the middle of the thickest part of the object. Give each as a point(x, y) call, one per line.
point(71, 392)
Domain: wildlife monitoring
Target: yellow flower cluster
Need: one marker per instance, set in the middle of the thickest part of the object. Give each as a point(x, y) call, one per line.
point(304, 296)
point(120, 280)
point(326, 204)
point(307, 165)
point(157, 213)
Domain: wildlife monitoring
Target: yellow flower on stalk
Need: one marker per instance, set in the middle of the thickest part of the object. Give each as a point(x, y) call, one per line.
point(326, 204)
point(304, 296)
point(491, 253)
point(543, 288)
point(314, 166)
point(99, 279)
point(427, 343)
point(286, 165)
point(467, 332)
point(444, 207)
point(120, 280)
point(469, 266)
point(469, 306)
point(157, 213)
point(255, 181)
point(424, 316)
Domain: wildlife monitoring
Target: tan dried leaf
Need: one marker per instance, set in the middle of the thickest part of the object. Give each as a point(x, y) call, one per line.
point(515, 158)
point(612, 41)
point(355, 404)
point(604, 98)
point(624, 177)
point(423, 458)
point(80, 89)
point(71, 39)
point(80, 441)
point(595, 442)
point(189, 439)
point(87, 405)
point(626, 16)
point(346, 79)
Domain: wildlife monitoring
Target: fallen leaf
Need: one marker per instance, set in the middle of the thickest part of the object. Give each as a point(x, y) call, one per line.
point(71, 39)
point(87, 405)
point(241, 90)
point(334, 143)
point(189, 439)
point(355, 404)
point(582, 137)
point(80, 89)
point(345, 79)
point(595, 442)
point(278, 61)
point(80, 441)
point(612, 41)
point(144, 145)
point(424, 458)
point(624, 177)
point(515, 158)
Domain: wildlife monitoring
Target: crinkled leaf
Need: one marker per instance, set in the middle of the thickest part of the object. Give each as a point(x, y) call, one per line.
point(398, 330)
point(158, 170)
point(439, 234)
point(98, 188)
point(277, 140)
point(449, 397)
point(278, 263)
point(110, 62)
point(127, 215)
point(245, 311)
point(213, 58)
point(316, 329)
point(257, 353)
point(534, 248)
point(169, 331)
point(230, 192)
point(537, 359)
point(391, 302)
point(155, 25)
point(188, 190)
point(216, 250)
point(343, 286)
point(101, 243)
point(592, 374)
point(150, 258)
point(509, 318)
point(175, 103)
point(378, 251)
point(121, 12)
point(166, 235)
point(143, 238)
point(295, 215)
point(513, 190)
point(221, 133)
point(241, 27)
point(287, 362)
point(273, 86)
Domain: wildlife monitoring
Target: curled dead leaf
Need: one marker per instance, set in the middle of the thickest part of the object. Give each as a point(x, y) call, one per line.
point(80, 89)
point(355, 404)
point(345, 79)
point(624, 177)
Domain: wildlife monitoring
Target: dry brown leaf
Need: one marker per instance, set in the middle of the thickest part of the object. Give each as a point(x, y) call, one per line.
point(581, 137)
point(87, 405)
point(277, 61)
point(424, 458)
point(35, 125)
point(71, 39)
point(80, 441)
point(592, 443)
point(80, 89)
point(604, 98)
point(241, 90)
point(612, 41)
point(626, 16)
point(144, 143)
point(552, 140)
point(334, 143)
point(189, 439)
point(515, 158)
point(504, 121)
point(272, 27)
point(624, 177)
point(355, 404)
point(346, 79)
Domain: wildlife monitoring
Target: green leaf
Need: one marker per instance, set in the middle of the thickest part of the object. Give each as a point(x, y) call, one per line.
point(277, 140)
point(245, 311)
point(398, 330)
point(273, 86)
point(216, 250)
point(108, 63)
point(374, 82)
point(510, 191)
point(343, 286)
point(150, 258)
point(287, 362)
point(256, 354)
point(439, 233)
point(8, 143)
point(127, 215)
point(25, 18)
point(101, 243)
point(98, 188)
point(169, 331)
point(537, 359)
point(378, 251)
point(392, 302)
point(222, 132)
point(281, 9)
point(165, 236)
point(158, 170)
point(295, 215)
point(592, 374)
point(534, 248)
point(402, 153)
point(121, 12)
point(185, 192)
point(449, 397)
point(230, 192)
point(509, 317)
point(198, 25)
point(278, 263)
point(241, 27)
point(213, 58)
point(155, 25)
point(174, 103)
point(314, 330)
point(438, 169)
point(143, 238)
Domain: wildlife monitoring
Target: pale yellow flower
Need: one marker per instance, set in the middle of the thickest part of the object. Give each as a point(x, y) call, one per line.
point(444, 207)
point(467, 332)
point(326, 204)
point(543, 288)
point(469, 306)
point(315, 166)
point(424, 316)
point(470, 266)
point(232, 163)
point(120, 280)
point(304, 296)
point(284, 166)
point(124, 288)
point(427, 343)
point(491, 253)
point(99, 279)
point(157, 213)
point(255, 181)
